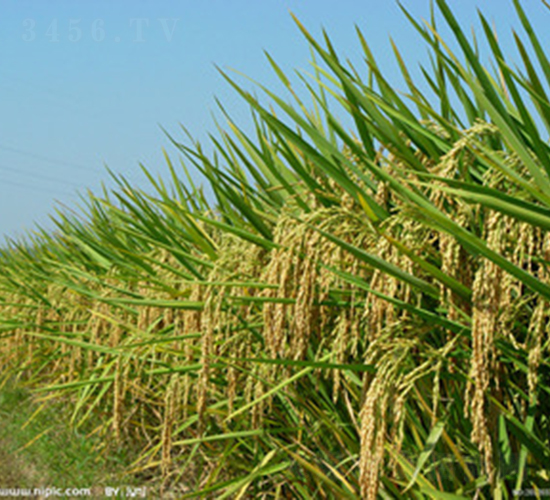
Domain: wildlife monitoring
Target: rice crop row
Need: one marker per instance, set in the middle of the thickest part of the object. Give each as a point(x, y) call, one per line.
point(353, 313)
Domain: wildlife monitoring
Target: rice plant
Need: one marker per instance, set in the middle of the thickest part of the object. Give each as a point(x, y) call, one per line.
point(355, 313)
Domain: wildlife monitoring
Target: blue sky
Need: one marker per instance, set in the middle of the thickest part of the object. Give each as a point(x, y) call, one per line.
point(88, 82)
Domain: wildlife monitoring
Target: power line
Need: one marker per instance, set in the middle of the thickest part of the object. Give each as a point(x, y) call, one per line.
point(62, 95)
point(33, 188)
point(39, 176)
point(50, 160)
point(57, 97)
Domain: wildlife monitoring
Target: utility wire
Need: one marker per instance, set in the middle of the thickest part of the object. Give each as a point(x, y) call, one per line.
point(62, 95)
point(33, 188)
point(38, 176)
point(50, 160)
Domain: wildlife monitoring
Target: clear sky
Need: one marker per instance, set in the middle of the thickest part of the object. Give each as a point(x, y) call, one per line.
point(88, 82)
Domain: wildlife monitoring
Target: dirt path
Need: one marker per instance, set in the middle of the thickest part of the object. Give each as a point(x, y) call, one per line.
point(39, 451)
point(10, 473)
point(14, 472)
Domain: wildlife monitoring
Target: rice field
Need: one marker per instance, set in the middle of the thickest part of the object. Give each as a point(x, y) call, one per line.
point(353, 314)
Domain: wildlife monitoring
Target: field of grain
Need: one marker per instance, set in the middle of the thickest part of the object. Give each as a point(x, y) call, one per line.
point(353, 313)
